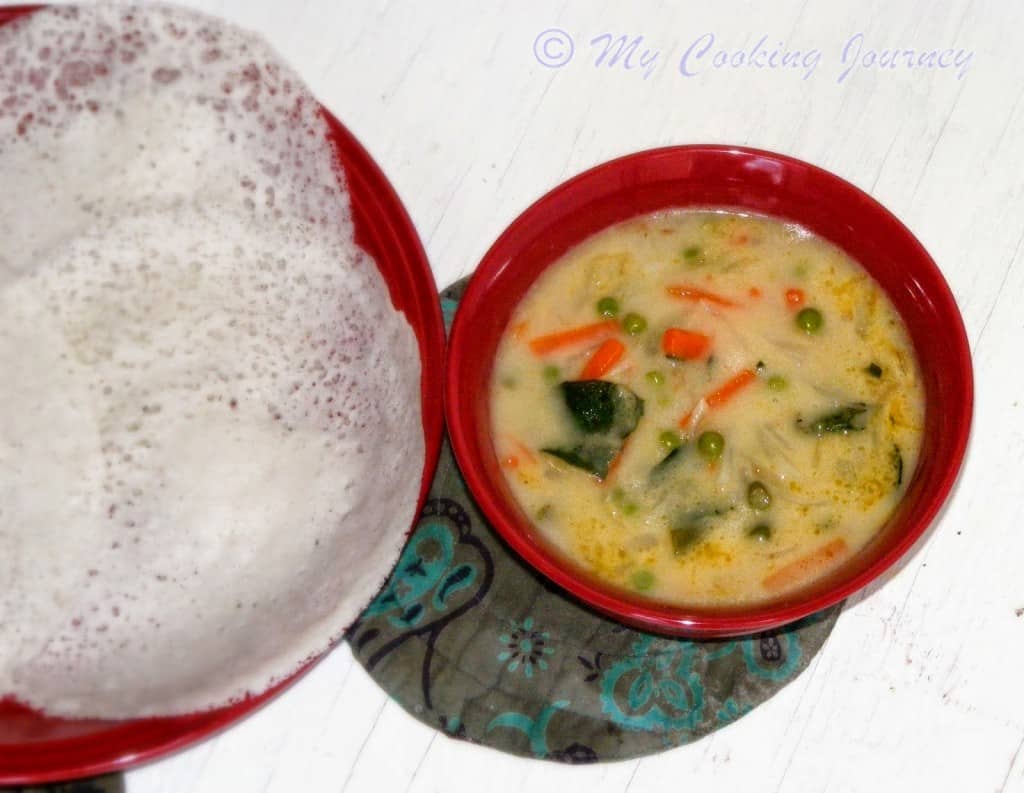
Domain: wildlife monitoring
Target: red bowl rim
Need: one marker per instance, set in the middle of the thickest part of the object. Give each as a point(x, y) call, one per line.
point(650, 615)
point(379, 215)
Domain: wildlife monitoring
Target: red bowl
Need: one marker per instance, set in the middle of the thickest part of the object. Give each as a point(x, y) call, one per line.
point(712, 177)
point(35, 748)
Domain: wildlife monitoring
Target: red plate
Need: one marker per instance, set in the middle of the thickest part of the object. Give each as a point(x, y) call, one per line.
point(35, 748)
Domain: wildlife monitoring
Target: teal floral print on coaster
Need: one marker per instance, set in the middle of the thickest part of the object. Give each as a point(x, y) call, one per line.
point(654, 689)
point(781, 661)
point(443, 573)
point(427, 559)
point(730, 711)
point(448, 307)
point(765, 656)
point(534, 729)
point(471, 641)
point(525, 647)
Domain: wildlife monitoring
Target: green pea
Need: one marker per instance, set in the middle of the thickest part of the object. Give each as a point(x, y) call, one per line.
point(762, 532)
point(758, 496)
point(669, 440)
point(692, 252)
point(711, 444)
point(634, 324)
point(642, 580)
point(777, 383)
point(551, 374)
point(655, 377)
point(608, 307)
point(809, 320)
point(618, 496)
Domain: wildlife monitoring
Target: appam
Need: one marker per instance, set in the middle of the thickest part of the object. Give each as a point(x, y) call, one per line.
point(210, 443)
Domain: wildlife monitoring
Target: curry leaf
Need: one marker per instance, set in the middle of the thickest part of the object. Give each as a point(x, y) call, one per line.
point(598, 406)
point(592, 456)
point(850, 418)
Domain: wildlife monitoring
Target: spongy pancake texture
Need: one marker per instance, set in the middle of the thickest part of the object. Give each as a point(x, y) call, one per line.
point(210, 435)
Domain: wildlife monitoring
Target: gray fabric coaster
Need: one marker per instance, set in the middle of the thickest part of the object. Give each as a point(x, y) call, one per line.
point(471, 641)
point(113, 783)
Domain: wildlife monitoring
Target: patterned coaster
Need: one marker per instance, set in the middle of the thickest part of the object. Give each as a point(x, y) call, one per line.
point(471, 641)
point(114, 783)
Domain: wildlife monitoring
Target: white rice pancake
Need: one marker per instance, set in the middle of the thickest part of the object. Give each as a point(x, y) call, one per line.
point(210, 435)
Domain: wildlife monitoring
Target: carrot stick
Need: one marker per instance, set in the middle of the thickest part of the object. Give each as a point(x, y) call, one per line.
point(731, 387)
point(542, 345)
point(603, 359)
point(519, 451)
point(694, 293)
point(613, 466)
point(723, 393)
point(684, 344)
point(806, 566)
point(529, 456)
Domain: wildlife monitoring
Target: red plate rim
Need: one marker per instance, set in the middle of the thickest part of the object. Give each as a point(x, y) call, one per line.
point(382, 224)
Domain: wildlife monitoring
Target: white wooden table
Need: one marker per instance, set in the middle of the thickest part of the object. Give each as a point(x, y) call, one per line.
point(919, 687)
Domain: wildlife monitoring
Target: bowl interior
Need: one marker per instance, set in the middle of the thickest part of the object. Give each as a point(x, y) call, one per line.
point(35, 748)
point(730, 178)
